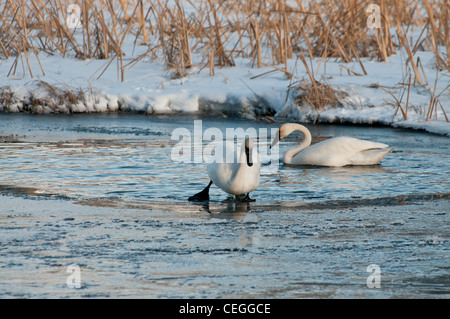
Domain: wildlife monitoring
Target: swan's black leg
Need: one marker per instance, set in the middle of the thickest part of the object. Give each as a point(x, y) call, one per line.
point(202, 196)
point(247, 198)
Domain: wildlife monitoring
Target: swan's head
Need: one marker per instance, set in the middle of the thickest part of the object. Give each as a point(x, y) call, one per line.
point(282, 132)
point(249, 148)
point(249, 143)
point(286, 129)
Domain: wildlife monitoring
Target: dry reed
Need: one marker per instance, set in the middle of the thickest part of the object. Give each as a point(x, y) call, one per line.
point(219, 30)
point(269, 32)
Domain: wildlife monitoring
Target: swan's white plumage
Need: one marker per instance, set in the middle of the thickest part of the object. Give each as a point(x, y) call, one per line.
point(233, 173)
point(338, 151)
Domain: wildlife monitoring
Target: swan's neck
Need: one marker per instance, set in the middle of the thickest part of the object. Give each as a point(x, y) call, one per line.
point(241, 159)
point(240, 165)
point(295, 150)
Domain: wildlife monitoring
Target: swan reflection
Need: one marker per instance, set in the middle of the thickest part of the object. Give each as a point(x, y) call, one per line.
point(230, 208)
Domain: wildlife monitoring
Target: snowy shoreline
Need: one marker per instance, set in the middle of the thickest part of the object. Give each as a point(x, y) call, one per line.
point(242, 91)
point(170, 61)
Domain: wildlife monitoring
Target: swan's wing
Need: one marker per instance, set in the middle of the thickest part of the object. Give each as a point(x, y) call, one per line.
point(349, 145)
point(227, 173)
point(369, 157)
point(223, 164)
point(338, 151)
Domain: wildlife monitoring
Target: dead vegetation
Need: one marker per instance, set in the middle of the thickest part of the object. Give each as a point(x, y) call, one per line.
point(43, 97)
point(221, 30)
point(268, 32)
point(315, 94)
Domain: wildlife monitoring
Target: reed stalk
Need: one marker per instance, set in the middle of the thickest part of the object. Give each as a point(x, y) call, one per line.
point(269, 31)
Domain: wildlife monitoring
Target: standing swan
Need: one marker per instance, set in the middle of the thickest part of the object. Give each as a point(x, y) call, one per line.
point(337, 151)
point(236, 175)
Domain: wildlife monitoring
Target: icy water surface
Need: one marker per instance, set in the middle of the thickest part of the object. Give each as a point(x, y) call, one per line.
point(102, 192)
point(128, 157)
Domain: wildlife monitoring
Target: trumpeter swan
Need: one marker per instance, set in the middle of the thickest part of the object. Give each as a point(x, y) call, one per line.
point(237, 175)
point(337, 151)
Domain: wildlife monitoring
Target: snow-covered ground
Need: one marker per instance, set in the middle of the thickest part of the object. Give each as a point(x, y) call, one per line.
point(242, 90)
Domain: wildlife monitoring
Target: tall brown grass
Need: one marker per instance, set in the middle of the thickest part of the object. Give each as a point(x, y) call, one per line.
point(220, 31)
point(268, 32)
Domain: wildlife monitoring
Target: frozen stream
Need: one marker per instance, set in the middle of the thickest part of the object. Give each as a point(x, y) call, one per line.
point(103, 193)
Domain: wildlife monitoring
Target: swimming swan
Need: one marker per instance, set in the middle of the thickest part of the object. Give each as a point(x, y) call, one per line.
point(238, 175)
point(337, 151)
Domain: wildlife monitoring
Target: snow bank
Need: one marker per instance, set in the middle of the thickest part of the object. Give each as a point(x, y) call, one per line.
point(239, 91)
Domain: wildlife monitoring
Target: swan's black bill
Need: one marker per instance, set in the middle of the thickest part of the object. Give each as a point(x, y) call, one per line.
point(248, 157)
point(276, 139)
point(202, 196)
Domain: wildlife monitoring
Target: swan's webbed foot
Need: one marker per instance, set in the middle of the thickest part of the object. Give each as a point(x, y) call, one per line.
point(202, 196)
point(247, 198)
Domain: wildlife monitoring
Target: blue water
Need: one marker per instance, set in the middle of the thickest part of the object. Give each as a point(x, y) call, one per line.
point(102, 192)
point(128, 157)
